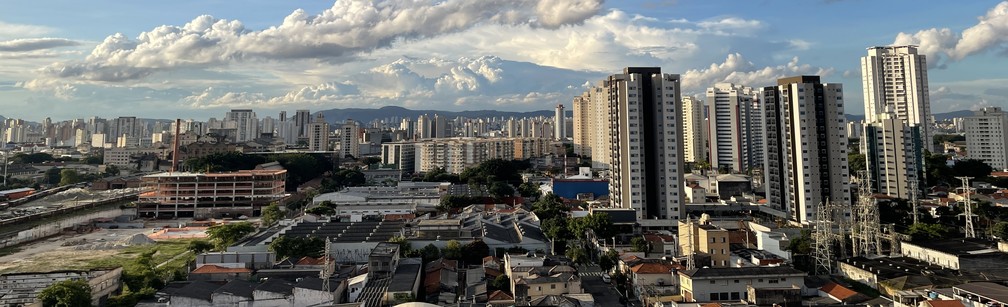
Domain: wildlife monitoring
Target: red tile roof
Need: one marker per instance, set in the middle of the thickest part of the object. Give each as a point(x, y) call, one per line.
point(214, 269)
point(837, 291)
point(500, 296)
point(310, 261)
point(653, 268)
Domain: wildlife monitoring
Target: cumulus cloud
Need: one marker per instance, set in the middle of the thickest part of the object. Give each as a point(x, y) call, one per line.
point(32, 44)
point(737, 69)
point(474, 82)
point(989, 34)
point(340, 32)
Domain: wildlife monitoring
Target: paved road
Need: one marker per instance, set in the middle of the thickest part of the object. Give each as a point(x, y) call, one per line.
point(591, 281)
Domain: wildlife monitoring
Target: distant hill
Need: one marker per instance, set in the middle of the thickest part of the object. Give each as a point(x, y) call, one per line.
point(938, 116)
point(367, 115)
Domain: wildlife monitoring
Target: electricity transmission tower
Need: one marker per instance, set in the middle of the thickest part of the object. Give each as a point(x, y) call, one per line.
point(970, 232)
point(822, 239)
point(866, 240)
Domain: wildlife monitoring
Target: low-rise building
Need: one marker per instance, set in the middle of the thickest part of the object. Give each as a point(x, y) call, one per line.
point(726, 284)
point(405, 282)
point(965, 254)
point(498, 229)
point(23, 288)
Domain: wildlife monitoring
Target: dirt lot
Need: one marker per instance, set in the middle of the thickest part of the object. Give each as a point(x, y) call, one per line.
point(85, 252)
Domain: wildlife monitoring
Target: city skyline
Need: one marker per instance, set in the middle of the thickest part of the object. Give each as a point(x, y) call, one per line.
point(180, 61)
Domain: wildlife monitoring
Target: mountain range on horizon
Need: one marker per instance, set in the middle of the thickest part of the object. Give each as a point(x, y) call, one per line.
point(365, 115)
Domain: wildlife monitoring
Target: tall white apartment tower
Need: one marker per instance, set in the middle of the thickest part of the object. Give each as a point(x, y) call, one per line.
point(318, 134)
point(806, 158)
point(349, 142)
point(734, 125)
point(694, 130)
point(888, 145)
point(896, 77)
point(560, 123)
point(987, 137)
point(248, 125)
point(591, 126)
point(646, 158)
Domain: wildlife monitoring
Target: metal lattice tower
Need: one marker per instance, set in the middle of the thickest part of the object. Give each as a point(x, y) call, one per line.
point(913, 198)
point(970, 232)
point(822, 239)
point(869, 231)
point(690, 258)
point(327, 270)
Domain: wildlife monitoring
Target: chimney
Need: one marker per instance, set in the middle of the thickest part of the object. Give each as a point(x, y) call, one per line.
point(174, 155)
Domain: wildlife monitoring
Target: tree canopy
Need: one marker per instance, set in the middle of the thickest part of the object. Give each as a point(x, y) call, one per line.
point(66, 293)
point(549, 206)
point(271, 214)
point(225, 235)
point(286, 247)
point(639, 244)
point(69, 176)
point(972, 168)
point(922, 231)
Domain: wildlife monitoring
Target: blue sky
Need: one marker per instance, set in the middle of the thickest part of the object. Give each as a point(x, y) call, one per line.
point(197, 59)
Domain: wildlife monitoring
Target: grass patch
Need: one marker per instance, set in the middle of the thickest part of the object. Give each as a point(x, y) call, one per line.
point(163, 251)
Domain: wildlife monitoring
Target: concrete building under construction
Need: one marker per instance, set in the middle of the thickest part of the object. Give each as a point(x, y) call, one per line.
point(211, 195)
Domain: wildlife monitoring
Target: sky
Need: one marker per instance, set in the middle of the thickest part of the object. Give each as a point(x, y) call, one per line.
point(68, 59)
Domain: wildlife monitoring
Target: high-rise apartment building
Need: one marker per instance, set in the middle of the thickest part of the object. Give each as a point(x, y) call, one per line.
point(645, 155)
point(806, 157)
point(896, 77)
point(694, 130)
point(318, 133)
point(735, 124)
point(591, 126)
point(888, 145)
point(348, 138)
point(987, 137)
point(301, 120)
point(246, 122)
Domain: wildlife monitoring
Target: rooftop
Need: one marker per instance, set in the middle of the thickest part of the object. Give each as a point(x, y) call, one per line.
point(405, 274)
point(992, 291)
point(743, 271)
point(237, 287)
point(957, 246)
point(214, 269)
point(385, 249)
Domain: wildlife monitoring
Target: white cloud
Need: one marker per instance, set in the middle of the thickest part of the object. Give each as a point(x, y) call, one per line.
point(989, 34)
point(736, 69)
point(13, 30)
point(340, 32)
point(32, 44)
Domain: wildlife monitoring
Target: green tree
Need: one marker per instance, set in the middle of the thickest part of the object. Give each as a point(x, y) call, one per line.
point(599, 223)
point(474, 252)
point(856, 162)
point(227, 234)
point(451, 202)
point(111, 170)
point(608, 260)
point(937, 169)
point(430, 252)
point(94, 160)
point(69, 176)
point(453, 250)
point(548, 207)
point(52, 176)
point(502, 282)
point(639, 244)
point(921, 231)
point(576, 253)
point(321, 210)
point(500, 189)
point(67, 293)
point(1000, 230)
point(32, 158)
point(802, 244)
point(141, 273)
point(529, 190)
point(972, 168)
point(295, 248)
point(620, 280)
point(405, 249)
point(271, 214)
point(199, 246)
